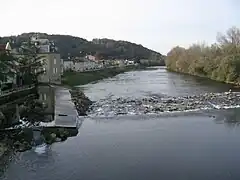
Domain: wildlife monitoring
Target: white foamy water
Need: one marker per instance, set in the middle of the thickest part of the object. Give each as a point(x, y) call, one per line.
point(122, 106)
point(40, 149)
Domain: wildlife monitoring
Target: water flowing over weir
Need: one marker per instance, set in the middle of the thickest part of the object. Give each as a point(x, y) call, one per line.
point(157, 92)
point(156, 105)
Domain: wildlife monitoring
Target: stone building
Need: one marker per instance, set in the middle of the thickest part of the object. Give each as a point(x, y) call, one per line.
point(51, 60)
point(52, 68)
point(81, 64)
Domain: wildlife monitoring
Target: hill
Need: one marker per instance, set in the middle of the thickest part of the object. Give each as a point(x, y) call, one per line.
point(103, 48)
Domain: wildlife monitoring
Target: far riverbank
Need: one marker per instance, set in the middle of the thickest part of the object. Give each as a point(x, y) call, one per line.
point(235, 84)
point(219, 62)
point(72, 78)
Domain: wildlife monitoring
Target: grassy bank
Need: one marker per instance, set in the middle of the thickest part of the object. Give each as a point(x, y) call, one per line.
point(203, 76)
point(152, 63)
point(81, 78)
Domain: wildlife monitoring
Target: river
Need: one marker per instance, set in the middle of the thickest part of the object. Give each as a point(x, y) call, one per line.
point(151, 82)
point(192, 146)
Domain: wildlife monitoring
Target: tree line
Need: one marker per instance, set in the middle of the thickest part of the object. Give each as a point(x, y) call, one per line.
point(219, 61)
point(24, 67)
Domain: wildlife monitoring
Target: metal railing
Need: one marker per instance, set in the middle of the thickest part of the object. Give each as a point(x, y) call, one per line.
point(15, 90)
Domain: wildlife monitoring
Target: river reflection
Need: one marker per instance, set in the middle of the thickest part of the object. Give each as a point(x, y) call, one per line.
point(32, 109)
point(22, 128)
point(192, 146)
point(230, 117)
point(5, 160)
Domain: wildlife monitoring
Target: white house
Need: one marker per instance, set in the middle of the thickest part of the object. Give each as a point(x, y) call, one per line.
point(130, 62)
point(82, 65)
point(68, 65)
point(90, 57)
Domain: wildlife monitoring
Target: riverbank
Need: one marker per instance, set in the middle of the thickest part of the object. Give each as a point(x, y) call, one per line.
point(81, 101)
point(219, 62)
point(235, 84)
point(80, 78)
point(149, 63)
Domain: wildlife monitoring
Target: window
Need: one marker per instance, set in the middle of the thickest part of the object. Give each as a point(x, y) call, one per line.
point(40, 97)
point(45, 97)
point(54, 61)
point(54, 70)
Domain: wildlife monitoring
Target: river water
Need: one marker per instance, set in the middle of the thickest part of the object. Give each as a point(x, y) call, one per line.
point(152, 82)
point(192, 146)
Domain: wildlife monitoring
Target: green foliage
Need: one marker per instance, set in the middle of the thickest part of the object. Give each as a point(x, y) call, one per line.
point(26, 66)
point(6, 66)
point(220, 61)
point(30, 64)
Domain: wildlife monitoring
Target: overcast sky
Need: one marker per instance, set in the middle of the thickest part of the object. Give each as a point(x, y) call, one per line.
point(156, 24)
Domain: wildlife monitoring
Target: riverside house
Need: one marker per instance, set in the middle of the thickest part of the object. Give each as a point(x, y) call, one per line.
point(51, 58)
point(80, 64)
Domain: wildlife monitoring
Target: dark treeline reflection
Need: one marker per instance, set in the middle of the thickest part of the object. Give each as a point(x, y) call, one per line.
point(229, 117)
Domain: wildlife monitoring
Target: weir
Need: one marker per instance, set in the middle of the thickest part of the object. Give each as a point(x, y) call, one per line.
point(157, 105)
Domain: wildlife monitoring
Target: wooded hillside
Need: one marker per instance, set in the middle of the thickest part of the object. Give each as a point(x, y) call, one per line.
point(103, 48)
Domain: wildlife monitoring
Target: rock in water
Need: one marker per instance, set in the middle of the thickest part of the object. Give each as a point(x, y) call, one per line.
point(2, 118)
point(3, 149)
point(81, 101)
